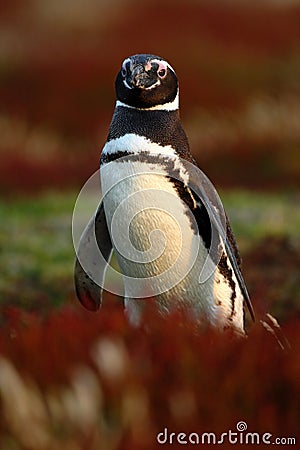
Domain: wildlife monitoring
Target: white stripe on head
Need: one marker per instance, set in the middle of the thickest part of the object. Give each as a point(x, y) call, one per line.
point(126, 61)
point(157, 60)
point(126, 84)
point(163, 63)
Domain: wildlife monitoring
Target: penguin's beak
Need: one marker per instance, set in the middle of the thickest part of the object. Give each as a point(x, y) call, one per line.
point(140, 78)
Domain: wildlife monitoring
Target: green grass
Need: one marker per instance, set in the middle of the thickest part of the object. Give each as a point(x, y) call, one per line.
point(255, 215)
point(36, 249)
point(37, 255)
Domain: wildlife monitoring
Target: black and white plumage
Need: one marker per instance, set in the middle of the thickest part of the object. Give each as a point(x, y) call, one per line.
point(146, 152)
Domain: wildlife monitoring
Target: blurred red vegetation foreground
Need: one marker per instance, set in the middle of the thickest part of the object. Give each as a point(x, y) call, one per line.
point(76, 380)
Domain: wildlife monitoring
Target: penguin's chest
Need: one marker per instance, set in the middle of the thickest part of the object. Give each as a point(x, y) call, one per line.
point(150, 226)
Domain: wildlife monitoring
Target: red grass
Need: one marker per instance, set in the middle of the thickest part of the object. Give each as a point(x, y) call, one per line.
point(223, 380)
point(65, 83)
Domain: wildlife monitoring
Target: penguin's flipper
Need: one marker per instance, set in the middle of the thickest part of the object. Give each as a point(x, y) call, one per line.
point(234, 257)
point(232, 252)
point(208, 196)
point(93, 255)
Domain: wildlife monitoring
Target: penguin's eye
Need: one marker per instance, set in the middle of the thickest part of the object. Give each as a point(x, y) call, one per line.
point(162, 73)
point(124, 71)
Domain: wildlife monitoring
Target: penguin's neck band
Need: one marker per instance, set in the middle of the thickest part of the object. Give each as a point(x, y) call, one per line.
point(171, 106)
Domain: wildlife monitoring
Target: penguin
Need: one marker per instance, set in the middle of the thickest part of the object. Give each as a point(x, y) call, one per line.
point(159, 213)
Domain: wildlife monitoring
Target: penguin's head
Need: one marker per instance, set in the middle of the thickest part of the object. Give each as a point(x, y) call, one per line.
point(145, 81)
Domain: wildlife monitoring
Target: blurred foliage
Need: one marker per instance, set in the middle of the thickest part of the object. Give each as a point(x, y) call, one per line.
point(98, 383)
point(238, 65)
point(36, 251)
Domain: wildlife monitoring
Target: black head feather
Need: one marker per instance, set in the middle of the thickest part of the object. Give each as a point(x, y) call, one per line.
point(145, 81)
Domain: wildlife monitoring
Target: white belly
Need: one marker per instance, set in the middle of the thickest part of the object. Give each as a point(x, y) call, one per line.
point(157, 249)
point(153, 235)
